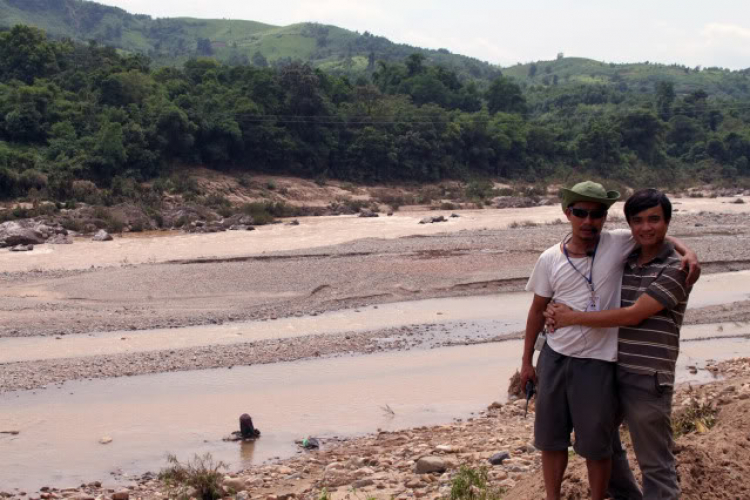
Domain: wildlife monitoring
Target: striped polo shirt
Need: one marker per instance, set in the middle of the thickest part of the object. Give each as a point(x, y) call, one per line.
point(652, 346)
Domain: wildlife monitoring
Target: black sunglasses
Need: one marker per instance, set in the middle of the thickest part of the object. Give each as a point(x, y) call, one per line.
point(582, 213)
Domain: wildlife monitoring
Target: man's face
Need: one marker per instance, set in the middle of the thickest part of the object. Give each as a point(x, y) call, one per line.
point(586, 219)
point(649, 227)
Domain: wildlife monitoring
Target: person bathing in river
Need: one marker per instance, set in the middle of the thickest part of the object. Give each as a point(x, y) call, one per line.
point(575, 375)
point(655, 292)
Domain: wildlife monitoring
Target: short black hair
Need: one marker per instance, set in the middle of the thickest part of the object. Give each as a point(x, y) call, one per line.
point(648, 198)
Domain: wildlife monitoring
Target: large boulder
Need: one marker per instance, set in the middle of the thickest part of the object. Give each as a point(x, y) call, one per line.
point(433, 219)
point(60, 239)
point(12, 233)
point(102, 235)
point(22, 248)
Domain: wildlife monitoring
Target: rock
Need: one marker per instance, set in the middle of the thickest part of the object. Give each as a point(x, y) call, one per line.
point(495, 405)
point(13, 233)
point(362, 483)
point(499, 458)
point(507, 483)
point(283, 469)
point(446, 448)
point(121, 495)
point(60, 239)
point(366, 212)
point(102, 235)
point(234, 484)
point(425, 465)
point(739, 201)
point(414, 483)
point(455, 216)
point(105, 440)
point(242, 495)
point(335, 478)
point(433, 219)
point(295, 222)
point(22, 248)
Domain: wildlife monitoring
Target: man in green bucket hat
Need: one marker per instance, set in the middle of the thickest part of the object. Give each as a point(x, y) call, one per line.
point(576, 367)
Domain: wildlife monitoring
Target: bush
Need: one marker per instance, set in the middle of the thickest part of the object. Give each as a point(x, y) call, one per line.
point(201, 473)
point(479, 190)
point(8, 183)
point(472, 484)
point(260, 212)
point(696, 417)
point(32, 179)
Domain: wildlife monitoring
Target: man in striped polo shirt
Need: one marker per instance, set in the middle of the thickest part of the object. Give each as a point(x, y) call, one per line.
point(654, 297)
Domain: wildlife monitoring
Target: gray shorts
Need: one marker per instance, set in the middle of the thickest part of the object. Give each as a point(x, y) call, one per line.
point(575, 394)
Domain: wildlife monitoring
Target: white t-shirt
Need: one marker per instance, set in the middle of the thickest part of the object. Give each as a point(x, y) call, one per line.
point(555, 277)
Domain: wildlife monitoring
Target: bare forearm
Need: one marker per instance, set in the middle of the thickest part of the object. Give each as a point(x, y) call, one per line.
point(604, 319)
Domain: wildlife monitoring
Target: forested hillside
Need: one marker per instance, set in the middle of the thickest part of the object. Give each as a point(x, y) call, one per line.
point(70, 111)
point(171, 42)
point(638, 78)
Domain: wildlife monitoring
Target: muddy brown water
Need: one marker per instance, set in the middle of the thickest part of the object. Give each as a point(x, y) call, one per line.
point(505, 313)
point(189, 412)
point(312, 232)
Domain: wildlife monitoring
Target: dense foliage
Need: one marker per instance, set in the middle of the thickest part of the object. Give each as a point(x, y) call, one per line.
point(69, 111)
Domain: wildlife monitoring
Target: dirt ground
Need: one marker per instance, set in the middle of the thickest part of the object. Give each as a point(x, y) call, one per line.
point(711, 465)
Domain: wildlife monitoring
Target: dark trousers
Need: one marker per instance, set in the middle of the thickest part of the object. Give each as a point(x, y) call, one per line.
point(646, 407)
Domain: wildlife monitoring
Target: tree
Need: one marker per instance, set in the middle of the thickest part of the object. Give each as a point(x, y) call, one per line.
point(260, 60)
point(532, 70)
point(504, 95)
point(204, 47)
point(665, 97)
point(642, 132)
point(26, 55)
point(415, 64)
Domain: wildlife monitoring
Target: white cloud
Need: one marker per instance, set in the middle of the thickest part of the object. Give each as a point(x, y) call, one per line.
point(714, 31)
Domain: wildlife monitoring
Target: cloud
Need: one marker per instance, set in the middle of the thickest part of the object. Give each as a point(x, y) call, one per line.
point(714, 31)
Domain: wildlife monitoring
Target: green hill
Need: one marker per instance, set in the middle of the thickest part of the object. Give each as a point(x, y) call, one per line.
point(638, 77)
point(172, 41)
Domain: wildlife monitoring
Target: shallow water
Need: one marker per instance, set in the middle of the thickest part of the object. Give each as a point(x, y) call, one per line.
point(312, 232)
point(189, 412)
point(501, 313)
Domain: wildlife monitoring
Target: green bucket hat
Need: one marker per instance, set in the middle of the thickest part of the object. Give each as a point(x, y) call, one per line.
point(588, 191)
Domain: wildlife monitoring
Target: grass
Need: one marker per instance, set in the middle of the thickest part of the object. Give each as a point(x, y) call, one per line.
point(698, 417)
point(201, 474)
point(473, 484)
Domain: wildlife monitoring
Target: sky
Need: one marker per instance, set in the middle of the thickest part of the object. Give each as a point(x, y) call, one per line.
point(690, 32)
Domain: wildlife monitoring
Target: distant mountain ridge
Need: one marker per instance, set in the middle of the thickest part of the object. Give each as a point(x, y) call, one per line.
point(172, 41)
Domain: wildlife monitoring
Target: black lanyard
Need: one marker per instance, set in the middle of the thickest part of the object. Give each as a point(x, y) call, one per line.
point(590, 279)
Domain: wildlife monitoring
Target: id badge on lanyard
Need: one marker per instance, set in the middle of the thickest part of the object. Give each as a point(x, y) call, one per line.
point(595, 303)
